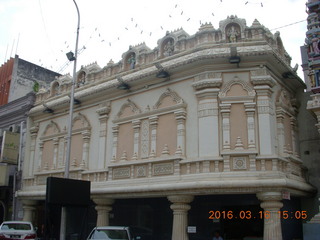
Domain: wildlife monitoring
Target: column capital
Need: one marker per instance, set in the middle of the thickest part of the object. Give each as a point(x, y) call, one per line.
point(115, 128)
point(34, 130)
point(262, 76)
point(208, 93)
point(207, 80)
point(154, 120)
point(263, 90)
point(180, 114)
point(136, 123)
point(250, 107)
point(180, 198)
point(103, 201)
point(269, 196)
point(28, 202)
point(103, 110)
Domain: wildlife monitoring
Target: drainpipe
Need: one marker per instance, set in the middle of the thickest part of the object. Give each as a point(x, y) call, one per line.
point(17, 174)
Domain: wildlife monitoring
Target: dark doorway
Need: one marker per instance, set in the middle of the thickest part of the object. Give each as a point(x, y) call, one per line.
point(221, 212)
point(152, 217)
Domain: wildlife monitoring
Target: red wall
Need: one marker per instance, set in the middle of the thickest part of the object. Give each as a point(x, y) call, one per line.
point(5, 79)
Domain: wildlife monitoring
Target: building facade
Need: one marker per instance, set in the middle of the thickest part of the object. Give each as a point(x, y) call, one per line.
point(201, 131)
point(19, 80)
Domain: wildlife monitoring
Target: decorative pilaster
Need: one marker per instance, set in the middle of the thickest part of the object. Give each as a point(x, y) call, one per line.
point(145, 141)
point(180, 206)
point(33, 132)
point(266, 132)
point(153, 126)
point(29, 208)
point(65, 151)
point(271, 204)
point(207, 86)
point(263, 83)
point(136, 136)
point(225, 112)
point(103, 207)
point(293, 123)
point(40, 155)
point(115, 132)
point(208, 122)
point(181, 131)
point(60, 152)
point(103, 112)
point(55, 152)
point(85, 152)
point(250, 111)
point(280, 130)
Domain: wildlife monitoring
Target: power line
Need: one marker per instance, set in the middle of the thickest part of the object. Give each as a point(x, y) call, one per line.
point(134, 27)
point(290, 24)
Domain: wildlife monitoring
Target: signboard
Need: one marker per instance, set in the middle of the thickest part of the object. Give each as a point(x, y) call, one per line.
point(10, 148)
point(192, 229)
point(4, 175)
point(65, 191)
point(286, 195)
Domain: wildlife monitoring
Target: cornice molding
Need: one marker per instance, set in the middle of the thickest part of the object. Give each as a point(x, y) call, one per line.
point(100, 88)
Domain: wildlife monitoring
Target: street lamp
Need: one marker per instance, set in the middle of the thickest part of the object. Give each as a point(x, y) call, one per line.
point(71, 57)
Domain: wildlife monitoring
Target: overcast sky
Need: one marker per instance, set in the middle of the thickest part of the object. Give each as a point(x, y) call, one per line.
point(43, 31)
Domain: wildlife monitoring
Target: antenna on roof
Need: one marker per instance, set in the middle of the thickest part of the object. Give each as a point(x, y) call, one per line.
point(12, 47)
point(17, 44)
point(5, 56)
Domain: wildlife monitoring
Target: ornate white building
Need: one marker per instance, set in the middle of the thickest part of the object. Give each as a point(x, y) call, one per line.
point(204, 124)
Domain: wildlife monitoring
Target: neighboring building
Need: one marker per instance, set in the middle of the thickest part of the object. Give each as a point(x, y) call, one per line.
point(201, 131)
point(310, 141)
point(313, 55)
point(18, 81)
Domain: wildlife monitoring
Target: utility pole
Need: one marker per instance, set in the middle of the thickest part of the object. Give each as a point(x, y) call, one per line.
point(69, 136)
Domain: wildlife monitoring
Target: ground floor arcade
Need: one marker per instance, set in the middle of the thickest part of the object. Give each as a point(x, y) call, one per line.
point(264, 215)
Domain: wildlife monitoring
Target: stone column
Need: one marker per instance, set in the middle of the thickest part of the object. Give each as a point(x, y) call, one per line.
point(271, 204)
point(29, 208)
point(180, 209)
point(104, 206)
